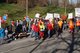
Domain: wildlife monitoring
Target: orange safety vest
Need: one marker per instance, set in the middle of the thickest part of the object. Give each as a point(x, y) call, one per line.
point(40, 22)
point(60, 23)
point(71, 25)
point(78, 23)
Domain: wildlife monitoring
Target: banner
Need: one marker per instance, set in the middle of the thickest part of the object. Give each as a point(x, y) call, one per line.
point(77, 12)
point(70, 15)
point(49, 16)
point(37, 15)
point(56, 15)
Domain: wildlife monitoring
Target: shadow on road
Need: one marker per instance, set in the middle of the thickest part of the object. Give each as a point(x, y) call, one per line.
point(45, 37)
point(37, 46)
point(72, 45)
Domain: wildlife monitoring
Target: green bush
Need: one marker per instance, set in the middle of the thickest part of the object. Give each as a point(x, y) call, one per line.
point(12, 10)
point(49, 9)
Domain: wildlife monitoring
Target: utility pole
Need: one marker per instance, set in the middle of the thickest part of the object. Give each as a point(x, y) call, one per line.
point(26, 7)
point(65, 6)
point(65, 9)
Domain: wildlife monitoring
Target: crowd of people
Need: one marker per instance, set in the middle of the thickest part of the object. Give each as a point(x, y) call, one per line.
point(39, 28)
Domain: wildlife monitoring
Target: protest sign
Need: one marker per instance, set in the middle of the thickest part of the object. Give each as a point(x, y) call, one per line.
point(70, 15)
point(77, 12)
point(49, 16)
point(37, 15)
point(56, 15)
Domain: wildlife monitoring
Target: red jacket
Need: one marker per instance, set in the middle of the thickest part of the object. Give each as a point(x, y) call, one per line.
point(49, 26)
point(32, 27)
point(36, 28)
point(13, 23)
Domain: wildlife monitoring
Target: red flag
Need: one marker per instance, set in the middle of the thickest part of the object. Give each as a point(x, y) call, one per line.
point(64, 17)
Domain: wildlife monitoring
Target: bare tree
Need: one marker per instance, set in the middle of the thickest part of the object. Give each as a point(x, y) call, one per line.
point(55, 2)
point(31, 3)
point(22, 3)
point(7, 1)
point(78, 3)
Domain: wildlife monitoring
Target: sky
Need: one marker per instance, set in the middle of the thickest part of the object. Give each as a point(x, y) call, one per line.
point(73, 1)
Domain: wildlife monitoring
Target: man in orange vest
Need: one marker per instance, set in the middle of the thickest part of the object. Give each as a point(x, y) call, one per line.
point(60, 24)
point(78, 24)
point(71, 26)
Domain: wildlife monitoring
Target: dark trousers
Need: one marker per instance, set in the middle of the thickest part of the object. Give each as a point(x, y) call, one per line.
point(59, 31)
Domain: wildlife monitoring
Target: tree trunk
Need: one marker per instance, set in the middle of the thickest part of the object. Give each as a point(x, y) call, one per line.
point(22, 3)
point(7, 1)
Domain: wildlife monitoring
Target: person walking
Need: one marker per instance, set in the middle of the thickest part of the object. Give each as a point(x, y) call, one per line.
point(71, 26)
point(60, 24)
point(50, 28)
point(42, 29)
point(78, 25)
point(6, 33)
point(36, 30)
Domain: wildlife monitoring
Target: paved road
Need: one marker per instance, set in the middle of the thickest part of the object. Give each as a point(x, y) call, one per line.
point(65, 44)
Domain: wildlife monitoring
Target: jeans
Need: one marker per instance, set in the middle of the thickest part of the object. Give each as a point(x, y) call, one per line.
point(49, 33)
point(1, 40)
point(36, 35)
point(24, 28)
point(64, 26)
point(32, 33)
point(29, 29)
point(59, 31)
point(6, 34)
